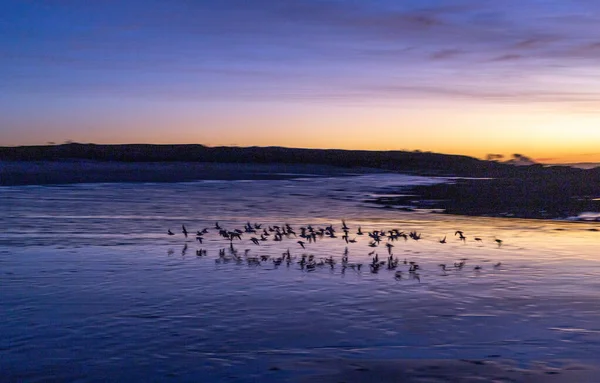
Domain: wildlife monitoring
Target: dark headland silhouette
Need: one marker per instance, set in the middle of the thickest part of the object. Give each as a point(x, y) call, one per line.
point(533, 191)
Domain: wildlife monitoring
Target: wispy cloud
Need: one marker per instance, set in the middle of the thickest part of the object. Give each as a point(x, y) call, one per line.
point(236, 48)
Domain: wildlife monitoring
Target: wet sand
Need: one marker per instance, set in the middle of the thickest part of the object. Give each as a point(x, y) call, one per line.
point(535, 197)
point(434, 371)
point(94, 289)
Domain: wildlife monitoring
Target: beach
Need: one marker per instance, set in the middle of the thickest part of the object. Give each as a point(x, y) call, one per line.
point(94, 288)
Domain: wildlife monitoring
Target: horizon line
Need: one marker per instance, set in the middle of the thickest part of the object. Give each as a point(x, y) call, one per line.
point(502, 159)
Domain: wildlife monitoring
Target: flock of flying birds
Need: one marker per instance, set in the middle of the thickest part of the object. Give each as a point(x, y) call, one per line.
point(306, 235)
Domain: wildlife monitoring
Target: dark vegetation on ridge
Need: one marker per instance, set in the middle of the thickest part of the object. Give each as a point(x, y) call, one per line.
point(430, 163)
point(533, 191)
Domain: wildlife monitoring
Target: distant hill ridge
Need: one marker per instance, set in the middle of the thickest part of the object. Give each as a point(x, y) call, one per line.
point(404, 161)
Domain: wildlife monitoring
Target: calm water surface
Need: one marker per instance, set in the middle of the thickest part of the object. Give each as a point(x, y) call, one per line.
point(91, 287)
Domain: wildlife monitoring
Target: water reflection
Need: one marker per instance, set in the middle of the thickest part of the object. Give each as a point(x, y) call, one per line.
point(92, 284)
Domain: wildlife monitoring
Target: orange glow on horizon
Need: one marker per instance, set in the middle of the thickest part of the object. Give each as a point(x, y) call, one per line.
point(544, 135)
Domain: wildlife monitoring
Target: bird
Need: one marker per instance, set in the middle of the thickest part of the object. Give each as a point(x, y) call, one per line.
point(170, 232)
point(498, 241)
point(255, 241)
point(477, 239)
point(184, 230)
point(443, 240)
point(389, 247)
point(415, 236)
point(301, 243)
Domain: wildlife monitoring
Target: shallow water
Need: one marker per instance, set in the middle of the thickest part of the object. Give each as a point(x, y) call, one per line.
point(91, 286)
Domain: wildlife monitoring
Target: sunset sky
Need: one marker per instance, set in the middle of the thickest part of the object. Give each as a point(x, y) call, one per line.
point(453, 76)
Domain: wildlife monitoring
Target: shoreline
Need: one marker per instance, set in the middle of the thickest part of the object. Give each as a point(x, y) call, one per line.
point(547, 198)
point(535, 197)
